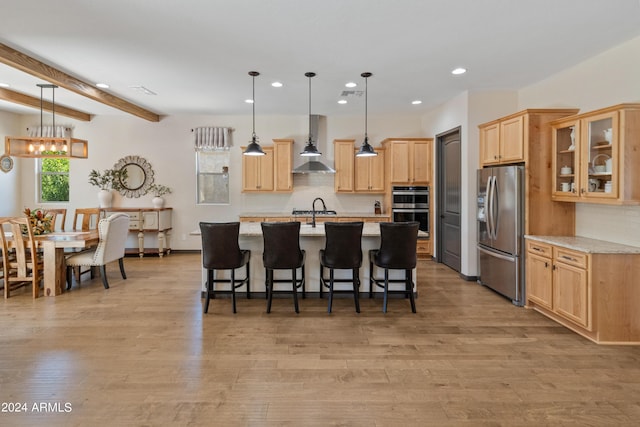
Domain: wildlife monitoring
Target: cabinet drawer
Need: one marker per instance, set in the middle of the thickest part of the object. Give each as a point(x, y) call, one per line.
point(538, 248)
point(423, 247)
point(134, 224)
point(567, 256)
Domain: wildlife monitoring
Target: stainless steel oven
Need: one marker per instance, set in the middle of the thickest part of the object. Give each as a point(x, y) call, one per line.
point(411, 203)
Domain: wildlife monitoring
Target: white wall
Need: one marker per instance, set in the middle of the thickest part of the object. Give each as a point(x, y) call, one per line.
point(606, 79)
point(468, 110)
point(9, 187)
point(168, 147)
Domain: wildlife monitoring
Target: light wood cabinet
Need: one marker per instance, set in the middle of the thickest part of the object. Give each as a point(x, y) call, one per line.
point(593, 293)
point(503, 141)
point(537, 158)
point(357, 174)
point(423, 248)
point(344, 160)
point(595, 155)
point(283, 165)
point(409, 160)
point(272, 172)
point(369, 173)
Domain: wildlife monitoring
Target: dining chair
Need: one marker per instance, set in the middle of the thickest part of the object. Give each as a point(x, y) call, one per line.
point(55, 214)
point(282, 252)
point(88, 219)
point(22, 264)
point(221, 251)
point(397, 252)
point(343, 251)
point(112, 233)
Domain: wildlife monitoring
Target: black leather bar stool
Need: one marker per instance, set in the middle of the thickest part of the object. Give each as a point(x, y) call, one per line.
point(221, 251)
point(397, 252)
point(343, 250)
point(282, 252)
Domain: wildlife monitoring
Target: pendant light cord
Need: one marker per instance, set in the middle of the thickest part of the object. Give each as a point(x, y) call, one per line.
point(310, 108)
point(366, 91)
point(253, 107)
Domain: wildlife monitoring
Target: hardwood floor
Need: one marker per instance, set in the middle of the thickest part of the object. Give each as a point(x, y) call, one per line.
point(142, 354)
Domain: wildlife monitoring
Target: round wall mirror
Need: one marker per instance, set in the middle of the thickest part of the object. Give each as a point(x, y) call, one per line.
point(139, 176)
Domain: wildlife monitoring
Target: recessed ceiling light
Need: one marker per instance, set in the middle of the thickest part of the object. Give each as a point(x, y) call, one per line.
point(4, 84)
point(102, 85)
point(249, 101)
point(351, 84)
point(342, 101)
point(276, 84)
point(458, 71)
point(416, 102)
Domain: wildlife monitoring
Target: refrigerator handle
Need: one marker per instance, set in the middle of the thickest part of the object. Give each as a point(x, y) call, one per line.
point(494, 209)
point(492, 206)
point(488, 209)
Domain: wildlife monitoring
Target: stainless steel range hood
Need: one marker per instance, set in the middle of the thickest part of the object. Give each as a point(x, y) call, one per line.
point(314, 165)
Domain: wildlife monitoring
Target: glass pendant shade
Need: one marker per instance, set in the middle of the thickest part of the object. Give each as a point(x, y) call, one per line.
point(366, 150)
point(254, 149)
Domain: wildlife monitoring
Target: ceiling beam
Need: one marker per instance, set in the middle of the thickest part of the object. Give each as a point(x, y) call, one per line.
point(23, 62)
point(30, 101)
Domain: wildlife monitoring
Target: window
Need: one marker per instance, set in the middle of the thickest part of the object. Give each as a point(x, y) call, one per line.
point(53, 178)
point(213, 177)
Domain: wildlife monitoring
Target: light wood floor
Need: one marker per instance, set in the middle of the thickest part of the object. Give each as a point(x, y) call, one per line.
point(143, 354)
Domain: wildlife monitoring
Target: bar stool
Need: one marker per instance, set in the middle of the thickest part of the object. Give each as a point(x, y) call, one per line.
point(397, 252)
point(221, 251)
point(282, 252)
point(343, 250)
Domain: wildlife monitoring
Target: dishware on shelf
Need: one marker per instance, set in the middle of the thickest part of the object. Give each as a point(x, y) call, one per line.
point(565, 170)
point(564, 187)
point(607, 135)
point(608, 165)
point(599, 163)
point(608, 187)
point(594, 184)
point(599, 169)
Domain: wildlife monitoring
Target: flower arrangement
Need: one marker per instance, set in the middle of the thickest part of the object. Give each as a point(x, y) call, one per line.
point(159, 190)
point(41, 221)
point(109, 179)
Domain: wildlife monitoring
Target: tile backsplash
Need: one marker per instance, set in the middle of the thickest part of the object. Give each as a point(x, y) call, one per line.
point(620, 224)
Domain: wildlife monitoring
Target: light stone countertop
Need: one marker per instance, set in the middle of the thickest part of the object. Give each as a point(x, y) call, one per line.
point(254, 229)
point(587, 245)
point(339, 215)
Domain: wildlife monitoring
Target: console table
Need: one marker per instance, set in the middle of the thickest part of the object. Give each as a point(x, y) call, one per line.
point(148, 220)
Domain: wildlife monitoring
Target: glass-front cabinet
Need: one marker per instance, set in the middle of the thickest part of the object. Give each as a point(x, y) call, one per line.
point(594, 155)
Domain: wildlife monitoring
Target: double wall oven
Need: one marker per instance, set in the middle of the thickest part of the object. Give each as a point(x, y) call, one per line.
point(411, 203)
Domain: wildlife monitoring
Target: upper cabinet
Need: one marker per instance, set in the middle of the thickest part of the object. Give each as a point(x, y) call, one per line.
point(503, 141)
point(369, 173)
point(409, 160)
point(595, 154)
point(271, 172)
point(357, 174)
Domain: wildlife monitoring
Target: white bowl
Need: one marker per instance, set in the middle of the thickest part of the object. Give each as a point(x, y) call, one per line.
point(599, 168)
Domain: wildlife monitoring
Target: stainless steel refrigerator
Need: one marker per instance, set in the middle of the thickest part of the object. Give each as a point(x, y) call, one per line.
point(500, 230)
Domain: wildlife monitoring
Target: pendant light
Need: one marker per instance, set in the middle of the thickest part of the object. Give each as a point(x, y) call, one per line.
point(46, 147)
point(254, 149)
point(366, 150)
point(310, 150)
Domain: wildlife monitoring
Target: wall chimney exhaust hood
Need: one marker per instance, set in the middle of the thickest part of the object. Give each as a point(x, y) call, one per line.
point(314, 165)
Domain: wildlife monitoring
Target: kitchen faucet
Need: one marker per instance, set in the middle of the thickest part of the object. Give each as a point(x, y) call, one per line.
point(313, 209)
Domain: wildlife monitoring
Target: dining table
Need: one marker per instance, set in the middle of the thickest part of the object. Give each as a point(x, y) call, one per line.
point(53, 249)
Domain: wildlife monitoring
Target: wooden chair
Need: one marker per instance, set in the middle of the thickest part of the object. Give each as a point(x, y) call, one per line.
point(55, 214)
point(21, 263)
point(88, 217)
point(113, 233)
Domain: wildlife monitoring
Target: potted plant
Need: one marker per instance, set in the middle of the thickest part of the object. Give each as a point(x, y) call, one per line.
point(109, 179)
point(158, 190)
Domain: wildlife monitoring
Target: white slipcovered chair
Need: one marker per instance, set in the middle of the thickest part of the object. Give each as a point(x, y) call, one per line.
point(113, 238)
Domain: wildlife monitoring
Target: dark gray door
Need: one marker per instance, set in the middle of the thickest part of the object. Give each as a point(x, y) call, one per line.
point(448, 211)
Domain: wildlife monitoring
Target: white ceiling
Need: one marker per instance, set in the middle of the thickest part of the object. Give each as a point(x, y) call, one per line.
point(195, 54)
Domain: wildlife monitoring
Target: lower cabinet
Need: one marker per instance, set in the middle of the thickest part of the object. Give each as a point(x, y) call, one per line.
point(591, 293)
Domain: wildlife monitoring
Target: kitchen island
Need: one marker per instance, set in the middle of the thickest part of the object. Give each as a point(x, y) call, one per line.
point(312, 239)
